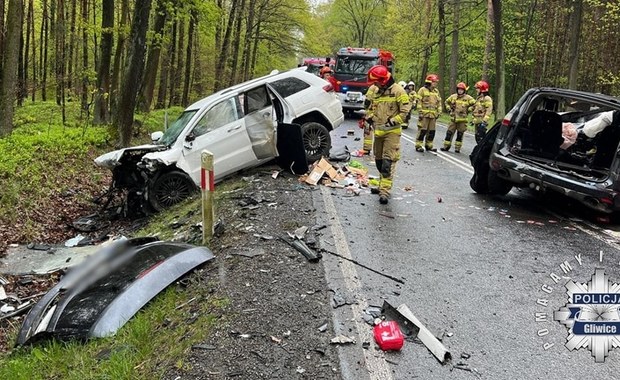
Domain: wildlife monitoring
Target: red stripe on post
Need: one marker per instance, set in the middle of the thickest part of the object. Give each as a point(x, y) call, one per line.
point(211, 181)
point(203, 179)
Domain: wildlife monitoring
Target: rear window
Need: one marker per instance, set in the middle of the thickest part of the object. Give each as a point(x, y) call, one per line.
point(289, 86)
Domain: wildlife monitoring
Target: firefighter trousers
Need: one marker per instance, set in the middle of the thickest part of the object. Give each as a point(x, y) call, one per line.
point(387, 152)
point(426, 131)
point(368, 136)
point(455, 126)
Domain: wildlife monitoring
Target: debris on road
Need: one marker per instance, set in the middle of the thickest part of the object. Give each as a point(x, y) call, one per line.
point(429, 340)
point(323, 327)
point(306, 251)
point(364, 266)
point(342, 339)
point(388, 336)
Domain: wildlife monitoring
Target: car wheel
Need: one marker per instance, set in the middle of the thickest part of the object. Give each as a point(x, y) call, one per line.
point(169, 189)
point(497, 185)
point(317, 141)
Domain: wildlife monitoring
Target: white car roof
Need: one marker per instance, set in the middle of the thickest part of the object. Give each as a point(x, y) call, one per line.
point(299, 72)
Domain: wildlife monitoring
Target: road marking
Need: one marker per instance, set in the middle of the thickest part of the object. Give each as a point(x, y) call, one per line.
point(455, 161)
point(375, 364)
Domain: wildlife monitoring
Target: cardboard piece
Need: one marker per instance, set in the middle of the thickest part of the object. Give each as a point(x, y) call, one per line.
point(318, 170)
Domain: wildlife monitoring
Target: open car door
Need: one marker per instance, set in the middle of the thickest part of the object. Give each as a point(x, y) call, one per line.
point(289, 142)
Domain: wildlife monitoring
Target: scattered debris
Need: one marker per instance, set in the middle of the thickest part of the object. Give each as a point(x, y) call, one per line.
point(388, 336)
point(429, 340)
point(204, 347)
point(366, 345)
point(339, 300)
point(300, 232)
point(439, 199)
point(74, 241)
point(250, 252)
point(342, 339)
point(306, 251)
point(323, 327)
point(465, 355)
point(276, 340)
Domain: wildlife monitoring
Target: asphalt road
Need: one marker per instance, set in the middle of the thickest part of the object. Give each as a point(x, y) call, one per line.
point(473, 268)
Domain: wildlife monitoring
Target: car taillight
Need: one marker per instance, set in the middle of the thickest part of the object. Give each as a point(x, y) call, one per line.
point(506, 120)
point(328, 88)
point(607, 201)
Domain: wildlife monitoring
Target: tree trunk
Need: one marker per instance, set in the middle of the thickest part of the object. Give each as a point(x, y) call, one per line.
point(118, 55)
point(60, 51)
point(178, 77)
point(454, 54)
point(248, 36)
point(575, 31)
point(10, 58)
point(101, 112)
point(2, 28)
point(34, 49)
point(152, 63)
point(188, 57)
point(500, 105)
point(427, 47)
point(84, 101)
point(220, 66)
point(163, 76)
point(133, 74)
point(171, 61)
point(488, 46)
point(442, 48)
point(71, 48)
point(237, 41)
point(43, 51)
point(22, 68)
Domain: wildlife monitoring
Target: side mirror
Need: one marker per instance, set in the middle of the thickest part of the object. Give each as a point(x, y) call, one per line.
point(190, 137)
point(156, 136)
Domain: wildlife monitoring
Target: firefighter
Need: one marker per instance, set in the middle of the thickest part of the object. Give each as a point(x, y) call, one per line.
point(403, 84)
point(387, 112)
point(365, 123)
point(326, 73)
point(430, 109)
point(459, 104)
point(482, 110)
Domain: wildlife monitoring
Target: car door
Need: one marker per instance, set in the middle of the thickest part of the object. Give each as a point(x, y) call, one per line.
point(222, 131)
point(289, 142)
point(259, 120)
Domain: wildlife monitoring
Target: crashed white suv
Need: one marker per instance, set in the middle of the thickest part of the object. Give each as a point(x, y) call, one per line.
point(283, 115)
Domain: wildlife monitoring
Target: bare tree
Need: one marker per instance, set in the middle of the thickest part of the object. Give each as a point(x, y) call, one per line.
point(8, 67)
point(133, 73)
point(361, 17)
point(488, 46)
point(152, 62)
point(101, 112)
point(442, 48)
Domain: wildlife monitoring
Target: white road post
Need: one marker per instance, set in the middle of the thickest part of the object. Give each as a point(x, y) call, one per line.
point(207, 185)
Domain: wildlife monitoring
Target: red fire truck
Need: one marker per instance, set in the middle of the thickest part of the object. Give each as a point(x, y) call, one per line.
point(352, 65)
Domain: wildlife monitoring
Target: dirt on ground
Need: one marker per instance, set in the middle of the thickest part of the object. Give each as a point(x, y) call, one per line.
point(278, 322)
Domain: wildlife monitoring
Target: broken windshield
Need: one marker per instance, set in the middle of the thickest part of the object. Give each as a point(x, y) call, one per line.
point(172, 133)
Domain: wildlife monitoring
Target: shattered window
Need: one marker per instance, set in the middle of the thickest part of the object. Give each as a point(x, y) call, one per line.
point(257, 99)
point(289, 86)
point(219, 115)
point(172, 133)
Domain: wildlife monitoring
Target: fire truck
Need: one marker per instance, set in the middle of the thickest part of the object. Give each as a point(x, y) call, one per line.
point(350, 73)
point(314, 65)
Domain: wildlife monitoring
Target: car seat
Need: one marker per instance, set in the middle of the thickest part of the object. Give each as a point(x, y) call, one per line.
point(546, 133)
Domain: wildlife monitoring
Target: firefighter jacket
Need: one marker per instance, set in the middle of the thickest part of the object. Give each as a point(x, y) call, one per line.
point(390, 106)
point(460, 106)
point(430, 102)
point(482, 109)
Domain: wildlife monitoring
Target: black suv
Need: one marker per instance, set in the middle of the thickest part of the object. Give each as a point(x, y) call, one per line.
point(554, 139)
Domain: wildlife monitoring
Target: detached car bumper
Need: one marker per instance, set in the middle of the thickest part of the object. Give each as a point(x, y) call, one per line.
point(599, 196)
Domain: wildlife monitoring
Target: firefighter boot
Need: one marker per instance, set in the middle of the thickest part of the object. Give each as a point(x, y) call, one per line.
point(459, 142)
point(379, 165)
point(429, 141)
point(447, 142)
point(383, 199)
point(419, 140)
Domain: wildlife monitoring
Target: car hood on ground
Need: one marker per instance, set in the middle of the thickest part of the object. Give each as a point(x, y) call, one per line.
point(112, 159)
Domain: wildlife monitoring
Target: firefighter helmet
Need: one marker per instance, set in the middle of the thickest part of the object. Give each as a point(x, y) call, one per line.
point(482, 86)
point(411, 84)
point(403, 83)
point(432, 78)
point(462, 86)
point(379, 74)
point(325, 70)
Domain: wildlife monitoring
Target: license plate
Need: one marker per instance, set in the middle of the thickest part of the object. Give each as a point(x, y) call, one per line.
point(354, 96)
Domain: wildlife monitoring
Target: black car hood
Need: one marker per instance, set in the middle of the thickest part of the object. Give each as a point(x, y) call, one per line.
point(98, 297)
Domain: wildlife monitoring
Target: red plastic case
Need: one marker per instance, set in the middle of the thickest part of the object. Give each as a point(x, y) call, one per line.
point(388, 336)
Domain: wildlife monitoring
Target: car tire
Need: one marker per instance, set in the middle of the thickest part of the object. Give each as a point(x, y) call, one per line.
point(497, 185)
point(169, 189)
point(316, 139)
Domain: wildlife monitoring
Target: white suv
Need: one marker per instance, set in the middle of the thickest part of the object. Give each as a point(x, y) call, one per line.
point(286, 116)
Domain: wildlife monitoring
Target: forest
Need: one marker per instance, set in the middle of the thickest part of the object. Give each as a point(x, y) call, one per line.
point(118, 57)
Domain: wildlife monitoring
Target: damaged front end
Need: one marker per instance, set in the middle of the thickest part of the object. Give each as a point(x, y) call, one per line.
point(131, 176)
